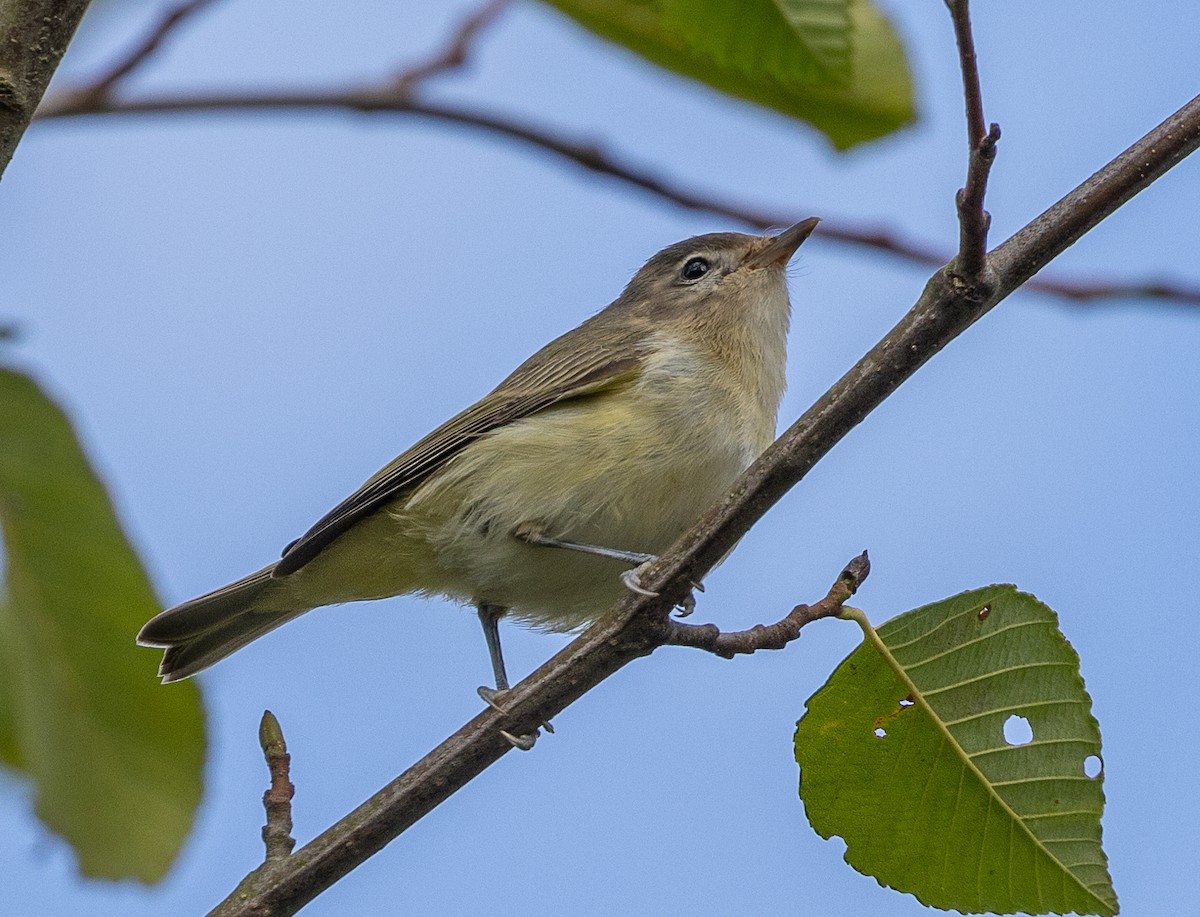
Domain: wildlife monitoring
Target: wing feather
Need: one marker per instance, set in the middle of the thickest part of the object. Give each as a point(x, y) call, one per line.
point(558, 373)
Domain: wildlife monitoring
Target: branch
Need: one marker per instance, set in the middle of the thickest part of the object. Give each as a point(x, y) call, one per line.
point(772, 636)
point(960, 15)
point(640, 623)
point(34, 34)
point(101, 88)
point(973, 220)
point(395, 97)
point(593, 158)
point(277, 801)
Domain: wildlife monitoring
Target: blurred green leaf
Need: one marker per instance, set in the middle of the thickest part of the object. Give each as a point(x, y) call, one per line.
point(836, 64)
point(903, 754)
point(115, 759)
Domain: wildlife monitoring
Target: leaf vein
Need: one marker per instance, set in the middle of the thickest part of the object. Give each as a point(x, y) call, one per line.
point(1036, 743)
point(1053, 778)
point(961, 646)
point(1013, 707)
point(995, 672)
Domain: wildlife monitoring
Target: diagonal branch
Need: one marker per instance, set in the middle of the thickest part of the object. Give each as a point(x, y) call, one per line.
point(639, 623)
point(34, 35)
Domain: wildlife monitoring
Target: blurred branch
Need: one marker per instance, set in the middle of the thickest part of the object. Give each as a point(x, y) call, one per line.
point(101, 88)
point(454, 55)
point(639, 624)
point(34, 34)
point(394, 96)
point(973, 220)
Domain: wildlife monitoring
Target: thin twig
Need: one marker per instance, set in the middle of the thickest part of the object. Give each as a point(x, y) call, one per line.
point(277, 800)
point(101, 88)
point(454, 55)
point(594, 158)
point(640, 623)
point(973, 220)
point(772, 636)
point(960, 15)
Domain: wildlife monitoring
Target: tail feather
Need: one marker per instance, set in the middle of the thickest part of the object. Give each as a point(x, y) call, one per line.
point(195, 654)
point(205, 630)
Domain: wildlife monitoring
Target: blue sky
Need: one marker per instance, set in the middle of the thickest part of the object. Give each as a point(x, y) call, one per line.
point(248, 315)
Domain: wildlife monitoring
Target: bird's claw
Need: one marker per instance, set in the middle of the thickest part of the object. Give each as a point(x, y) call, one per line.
point(686, 607)
point(520, 743)
point(633, 580)
point(493, 699)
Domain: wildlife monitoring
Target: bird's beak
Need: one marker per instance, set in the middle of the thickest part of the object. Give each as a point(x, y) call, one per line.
point(781, 248)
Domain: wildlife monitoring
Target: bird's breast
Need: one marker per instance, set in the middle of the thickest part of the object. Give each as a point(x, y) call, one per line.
point(630, 469)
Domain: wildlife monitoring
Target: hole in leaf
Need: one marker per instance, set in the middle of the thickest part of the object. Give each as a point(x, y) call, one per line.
point(1092, 766)
point(984, 612)
point(1017, 731)
point(880, 732)
point(907, 702)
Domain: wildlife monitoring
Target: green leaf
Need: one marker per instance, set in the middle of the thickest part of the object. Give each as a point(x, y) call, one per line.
point(115, 760)
point(903, 754)
point(836, 64)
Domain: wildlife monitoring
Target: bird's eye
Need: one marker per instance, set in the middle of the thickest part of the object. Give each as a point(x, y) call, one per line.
point(694, 269)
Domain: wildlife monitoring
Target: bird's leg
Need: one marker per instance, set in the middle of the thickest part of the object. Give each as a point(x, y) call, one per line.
point(530, 533)
point(489, 617)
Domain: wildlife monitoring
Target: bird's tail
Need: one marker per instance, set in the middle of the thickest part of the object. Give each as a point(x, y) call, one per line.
point(205, 630)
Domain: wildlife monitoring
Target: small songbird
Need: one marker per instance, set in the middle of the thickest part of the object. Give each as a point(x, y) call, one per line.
point(591, 458)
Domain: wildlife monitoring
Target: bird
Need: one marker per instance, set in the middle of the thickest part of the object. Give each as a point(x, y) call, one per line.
point(542, 501)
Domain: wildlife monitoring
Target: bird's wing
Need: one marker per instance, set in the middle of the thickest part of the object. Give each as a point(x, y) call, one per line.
point(555, 375)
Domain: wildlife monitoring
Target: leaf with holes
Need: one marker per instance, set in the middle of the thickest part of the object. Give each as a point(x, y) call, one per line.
point(836, 64)
point(913, 753)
